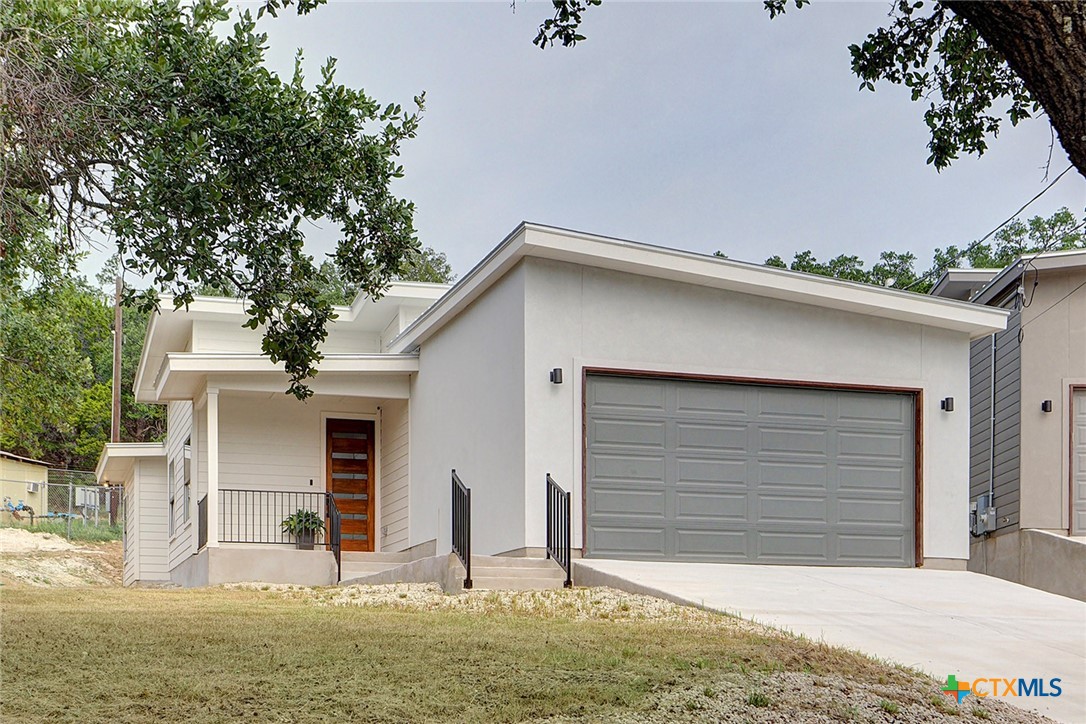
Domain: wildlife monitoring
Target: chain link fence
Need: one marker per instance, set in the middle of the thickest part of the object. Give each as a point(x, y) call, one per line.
point(70, 504)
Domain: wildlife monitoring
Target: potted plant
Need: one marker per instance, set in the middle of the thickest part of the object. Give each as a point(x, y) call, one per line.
point(303, 525)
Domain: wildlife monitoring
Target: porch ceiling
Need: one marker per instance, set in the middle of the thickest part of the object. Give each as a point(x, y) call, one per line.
point(182, 376)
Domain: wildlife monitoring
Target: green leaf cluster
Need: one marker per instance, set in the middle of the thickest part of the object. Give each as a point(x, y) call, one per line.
point(157, 123)
point(56, 366)
point(1059, 232)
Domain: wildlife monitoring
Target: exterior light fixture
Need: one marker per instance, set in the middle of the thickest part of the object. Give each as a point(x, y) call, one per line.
point(556, 376)
point(1046, 406)
point(947, 404)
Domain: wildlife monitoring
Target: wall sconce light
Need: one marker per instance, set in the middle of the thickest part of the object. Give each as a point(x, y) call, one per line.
point(1046, 406)
point(947, 404)
point(556, 376)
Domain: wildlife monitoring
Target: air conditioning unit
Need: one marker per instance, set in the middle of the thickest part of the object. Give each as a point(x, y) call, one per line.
point(32, 487)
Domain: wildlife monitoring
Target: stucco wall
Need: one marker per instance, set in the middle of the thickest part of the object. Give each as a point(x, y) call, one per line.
point(467, 412)
point(1053, 357)
point(209, 336)
point(577, 317)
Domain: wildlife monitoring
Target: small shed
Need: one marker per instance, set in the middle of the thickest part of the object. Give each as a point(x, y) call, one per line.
point(22, 485)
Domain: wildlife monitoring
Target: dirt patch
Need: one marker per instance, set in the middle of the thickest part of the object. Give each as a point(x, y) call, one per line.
point(44, 559)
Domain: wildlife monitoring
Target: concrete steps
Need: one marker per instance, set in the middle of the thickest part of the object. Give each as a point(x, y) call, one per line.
point(506, 573)
point(490, 573)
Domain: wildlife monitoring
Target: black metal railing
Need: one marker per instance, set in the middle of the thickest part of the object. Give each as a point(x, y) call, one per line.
point(333, 537)
point(558, 526)
point(257, 516)
point(201, 523)
point(461, 525)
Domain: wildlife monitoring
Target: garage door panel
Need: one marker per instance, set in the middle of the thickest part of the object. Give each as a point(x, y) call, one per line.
point(852, 478)
point(859, 549)
point(615, 466)
point(712, 545)
point(791, 404)
point(711, 506)
point(792, 474)
point(873, 445)
point(792, 547)
point(628, 433)
point(867, 409)
point(723, 473)
point(871, 512)
point(693, 436)
point(793, 442)
point(747, 473)
point(791, 509)
point(627, 501)
point(627, 395)
point(627, 542)
point(715, 400)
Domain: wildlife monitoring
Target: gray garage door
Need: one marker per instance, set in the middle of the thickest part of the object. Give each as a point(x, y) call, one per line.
point(706, 471)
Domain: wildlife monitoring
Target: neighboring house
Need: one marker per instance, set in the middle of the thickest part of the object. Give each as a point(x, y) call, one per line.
point(1028, 443)
point(22, 481)
point(697, 408)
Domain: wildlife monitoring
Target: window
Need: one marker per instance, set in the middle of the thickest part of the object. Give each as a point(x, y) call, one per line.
point(186, 489)
point(170, 487)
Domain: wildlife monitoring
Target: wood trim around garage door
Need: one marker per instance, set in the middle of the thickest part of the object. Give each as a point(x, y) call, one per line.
point(918, 430)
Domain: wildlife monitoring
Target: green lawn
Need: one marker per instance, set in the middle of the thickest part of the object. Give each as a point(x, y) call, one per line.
point(80, 531)
point(124, 655)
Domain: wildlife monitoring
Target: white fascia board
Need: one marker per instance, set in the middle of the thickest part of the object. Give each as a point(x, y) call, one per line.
point(180, 364)
point(117, 457)
point(702, 270)
point(141, 368)
point(1047, 261)
point(501, 259)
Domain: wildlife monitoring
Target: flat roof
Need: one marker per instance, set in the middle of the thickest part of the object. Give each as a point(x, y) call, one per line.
point(547, 242)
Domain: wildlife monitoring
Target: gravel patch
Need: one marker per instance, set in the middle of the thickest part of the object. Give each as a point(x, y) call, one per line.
point(45, 560)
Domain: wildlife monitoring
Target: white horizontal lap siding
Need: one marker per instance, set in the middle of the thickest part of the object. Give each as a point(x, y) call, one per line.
point(131, 532)
point(178, 429)
point(273, 444)
point(579, 317)
point(153, 532)
point(393, 493)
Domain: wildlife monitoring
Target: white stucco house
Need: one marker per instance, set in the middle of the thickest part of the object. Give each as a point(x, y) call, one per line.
point(696, 408)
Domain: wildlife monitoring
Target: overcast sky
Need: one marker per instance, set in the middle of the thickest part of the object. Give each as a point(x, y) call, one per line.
point(698, 126)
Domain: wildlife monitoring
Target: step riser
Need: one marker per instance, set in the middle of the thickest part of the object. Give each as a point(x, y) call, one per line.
point(514, 584)
point(489, 572)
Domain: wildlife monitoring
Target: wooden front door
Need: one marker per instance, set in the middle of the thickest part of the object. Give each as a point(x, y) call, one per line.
point(349, 462)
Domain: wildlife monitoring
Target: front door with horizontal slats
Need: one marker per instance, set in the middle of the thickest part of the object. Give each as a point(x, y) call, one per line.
point(349, 462)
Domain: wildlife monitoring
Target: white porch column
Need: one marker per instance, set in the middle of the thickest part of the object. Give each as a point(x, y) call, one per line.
point(212, 467)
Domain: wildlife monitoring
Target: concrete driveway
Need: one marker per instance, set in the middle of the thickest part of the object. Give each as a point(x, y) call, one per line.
point(942, 622)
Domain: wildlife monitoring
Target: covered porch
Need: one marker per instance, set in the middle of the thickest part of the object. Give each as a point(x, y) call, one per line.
point(282, 487)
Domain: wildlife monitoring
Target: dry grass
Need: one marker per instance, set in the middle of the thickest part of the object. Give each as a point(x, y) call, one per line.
point(123, 655)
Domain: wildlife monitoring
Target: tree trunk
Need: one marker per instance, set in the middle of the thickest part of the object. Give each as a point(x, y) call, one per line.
point(1045, 44)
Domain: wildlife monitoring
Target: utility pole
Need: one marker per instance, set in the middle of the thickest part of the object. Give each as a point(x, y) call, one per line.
point(115, 421)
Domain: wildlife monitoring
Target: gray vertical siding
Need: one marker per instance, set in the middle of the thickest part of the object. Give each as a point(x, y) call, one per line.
point(1008, 414)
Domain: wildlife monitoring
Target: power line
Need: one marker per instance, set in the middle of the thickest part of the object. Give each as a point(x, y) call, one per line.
point(965, 252)
point(1054, 305)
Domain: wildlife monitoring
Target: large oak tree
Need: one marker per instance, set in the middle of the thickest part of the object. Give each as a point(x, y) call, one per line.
point(155, 125)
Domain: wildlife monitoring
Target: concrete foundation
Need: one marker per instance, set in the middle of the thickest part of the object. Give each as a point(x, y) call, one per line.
point(214, 566)
point(1040, 559)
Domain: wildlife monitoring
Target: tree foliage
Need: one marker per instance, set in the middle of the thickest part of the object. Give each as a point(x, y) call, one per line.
point(157, 125)
point(56, 364)
point(1059, 232)
point(976, 65)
